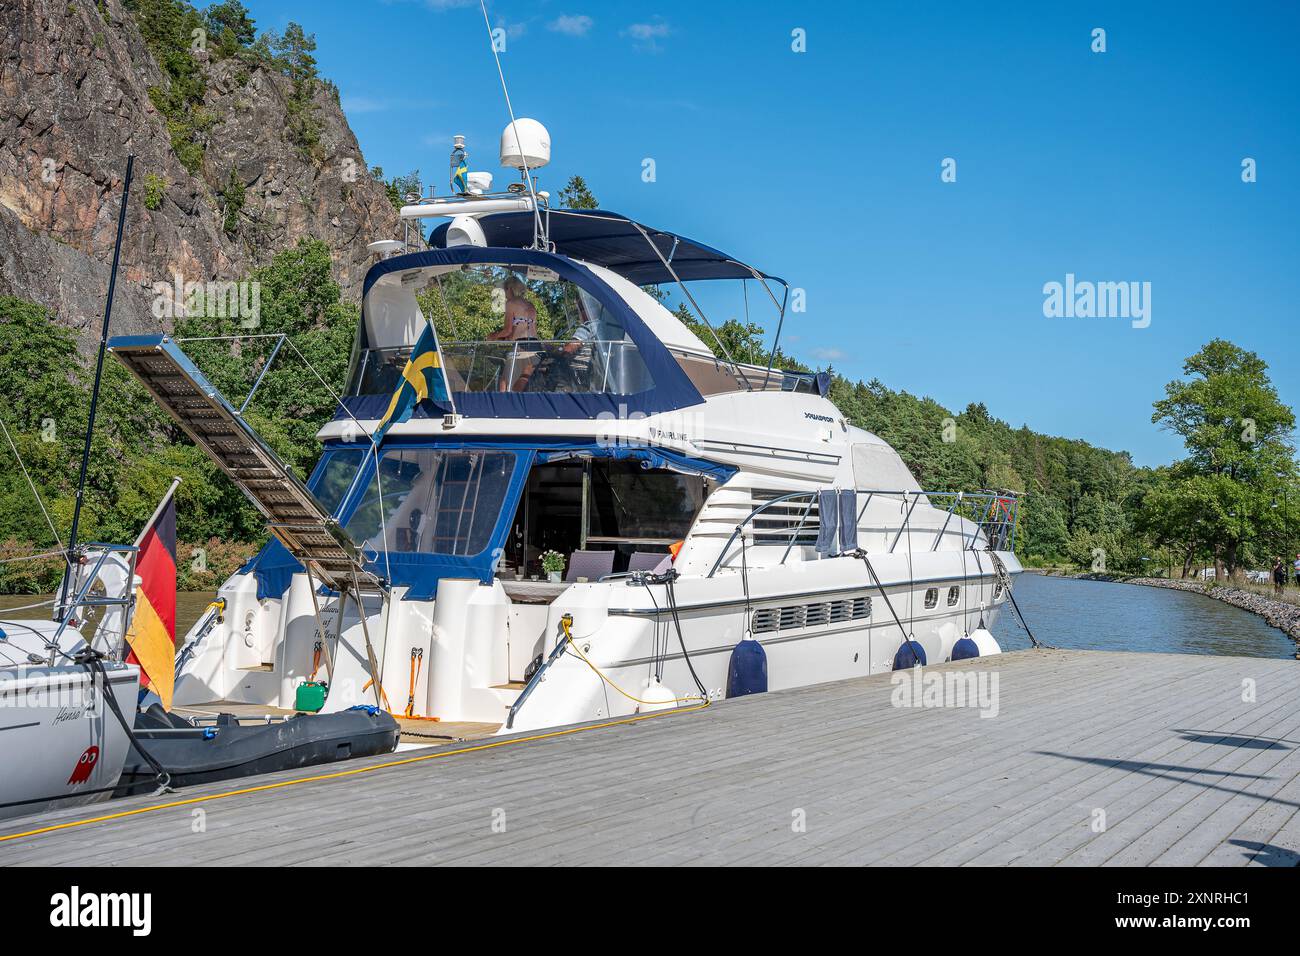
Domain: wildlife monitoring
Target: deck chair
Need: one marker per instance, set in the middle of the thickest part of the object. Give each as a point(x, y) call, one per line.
point(655, 561)
point(592, 565)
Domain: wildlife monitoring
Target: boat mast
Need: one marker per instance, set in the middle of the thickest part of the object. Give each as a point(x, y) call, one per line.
point(94, 395)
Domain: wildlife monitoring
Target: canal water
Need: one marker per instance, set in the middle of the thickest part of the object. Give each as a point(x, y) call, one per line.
point(189, 605)
point(1105, 616)
point(1066, 612)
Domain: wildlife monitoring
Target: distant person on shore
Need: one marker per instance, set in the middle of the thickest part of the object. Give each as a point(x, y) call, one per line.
point(1279, 577)
point(1296, 567)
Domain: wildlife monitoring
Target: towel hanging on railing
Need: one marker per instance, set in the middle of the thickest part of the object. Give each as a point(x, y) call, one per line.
point(828, 511)
point(848, 520)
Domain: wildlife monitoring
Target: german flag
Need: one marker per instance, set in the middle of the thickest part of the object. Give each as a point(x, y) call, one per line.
point(152, 634)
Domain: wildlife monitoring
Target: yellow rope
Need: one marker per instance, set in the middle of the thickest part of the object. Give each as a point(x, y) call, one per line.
point(566, 622)
point(350, 773)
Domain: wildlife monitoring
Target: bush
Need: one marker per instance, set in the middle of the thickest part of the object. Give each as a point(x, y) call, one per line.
point(155, 188)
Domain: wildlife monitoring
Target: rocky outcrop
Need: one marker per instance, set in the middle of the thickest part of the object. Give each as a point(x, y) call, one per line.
point(74, 100)
point(44, 270)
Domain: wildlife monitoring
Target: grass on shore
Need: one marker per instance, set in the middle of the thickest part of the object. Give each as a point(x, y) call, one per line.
point(1289, 595)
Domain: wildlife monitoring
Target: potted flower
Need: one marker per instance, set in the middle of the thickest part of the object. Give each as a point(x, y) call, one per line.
point(553, 565)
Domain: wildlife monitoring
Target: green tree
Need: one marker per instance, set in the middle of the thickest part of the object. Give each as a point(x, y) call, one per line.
point(231, 26)
point(300, 299)
point(399, 186)
point(577, 195)
point(1237, 433)
point(291, 54)
point(168, 28)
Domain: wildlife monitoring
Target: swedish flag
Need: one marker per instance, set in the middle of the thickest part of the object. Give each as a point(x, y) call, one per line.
point(422, 378)
point(460, 179)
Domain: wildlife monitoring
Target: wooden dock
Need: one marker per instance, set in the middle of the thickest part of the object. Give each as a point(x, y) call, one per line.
point(1093, 758)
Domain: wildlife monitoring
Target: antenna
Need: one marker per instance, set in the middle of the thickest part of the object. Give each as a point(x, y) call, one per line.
point(514, 127)
point(94, 394)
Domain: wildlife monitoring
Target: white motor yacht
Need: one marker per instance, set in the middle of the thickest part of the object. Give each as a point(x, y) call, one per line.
point(721, 526)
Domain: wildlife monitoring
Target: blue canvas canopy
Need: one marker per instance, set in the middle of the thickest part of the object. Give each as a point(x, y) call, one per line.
point(672, 387)
point(274, 567)
point(613, 240)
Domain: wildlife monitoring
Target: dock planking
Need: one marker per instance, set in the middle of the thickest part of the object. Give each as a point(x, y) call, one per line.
point(1169, 751)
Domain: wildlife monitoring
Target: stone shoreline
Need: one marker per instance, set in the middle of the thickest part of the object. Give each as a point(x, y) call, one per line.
point(1281, 615)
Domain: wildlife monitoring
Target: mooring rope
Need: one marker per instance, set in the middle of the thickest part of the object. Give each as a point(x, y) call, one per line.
point(908, 639)
point(1004, 578)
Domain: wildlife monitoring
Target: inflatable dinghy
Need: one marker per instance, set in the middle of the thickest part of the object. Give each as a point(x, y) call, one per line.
point(229, 749)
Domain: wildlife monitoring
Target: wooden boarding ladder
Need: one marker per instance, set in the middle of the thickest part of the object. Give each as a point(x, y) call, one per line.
point(307, 531)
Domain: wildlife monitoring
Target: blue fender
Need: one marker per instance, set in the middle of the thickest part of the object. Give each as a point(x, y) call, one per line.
point(747, 672)
point(909, 654)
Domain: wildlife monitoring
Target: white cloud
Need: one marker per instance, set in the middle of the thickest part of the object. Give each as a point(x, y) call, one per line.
point(513, 30)
point(649, 31)
point(576, 25)
point(827, 355)
point(364, 104)
point(648, 35)
point(353, 105)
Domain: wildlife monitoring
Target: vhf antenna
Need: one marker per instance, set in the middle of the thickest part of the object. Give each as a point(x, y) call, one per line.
point(514, 128)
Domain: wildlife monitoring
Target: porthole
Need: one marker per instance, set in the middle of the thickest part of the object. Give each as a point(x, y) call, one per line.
point(931, 597)
point(954, 593)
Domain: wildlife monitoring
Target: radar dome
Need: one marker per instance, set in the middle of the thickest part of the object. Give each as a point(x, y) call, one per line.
point(532, 147)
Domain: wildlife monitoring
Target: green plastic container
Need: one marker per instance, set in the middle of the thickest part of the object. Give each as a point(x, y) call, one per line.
point(310, 696)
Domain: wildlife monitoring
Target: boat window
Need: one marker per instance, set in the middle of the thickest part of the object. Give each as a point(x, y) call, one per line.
point(931, 597)
point(436, 502)
point(641, 506)
point(334, 476)
point(954, 593)
point(572, 505)
point(504, 329)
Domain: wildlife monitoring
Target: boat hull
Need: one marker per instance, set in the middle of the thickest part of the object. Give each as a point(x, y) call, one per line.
point(472, 654)
point(60, 743)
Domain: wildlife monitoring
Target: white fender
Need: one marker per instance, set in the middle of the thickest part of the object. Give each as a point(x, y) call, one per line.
point(985, 641)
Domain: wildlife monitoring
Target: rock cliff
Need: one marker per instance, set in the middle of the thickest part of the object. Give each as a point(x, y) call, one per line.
point(75, 99)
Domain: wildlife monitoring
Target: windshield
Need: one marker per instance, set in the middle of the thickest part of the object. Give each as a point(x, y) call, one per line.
point(333, 477)
point(430, 501)
point(520, 329)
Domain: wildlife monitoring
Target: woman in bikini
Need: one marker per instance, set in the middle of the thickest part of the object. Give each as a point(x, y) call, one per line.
point(520, 321)
point(519, 324)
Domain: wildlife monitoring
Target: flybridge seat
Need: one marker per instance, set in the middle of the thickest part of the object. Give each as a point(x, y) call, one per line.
point(306, 529)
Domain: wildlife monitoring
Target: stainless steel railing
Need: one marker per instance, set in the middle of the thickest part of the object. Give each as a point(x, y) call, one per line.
point(993, 513)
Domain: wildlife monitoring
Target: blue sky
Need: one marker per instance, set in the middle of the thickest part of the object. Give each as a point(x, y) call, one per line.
point(823, 167)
